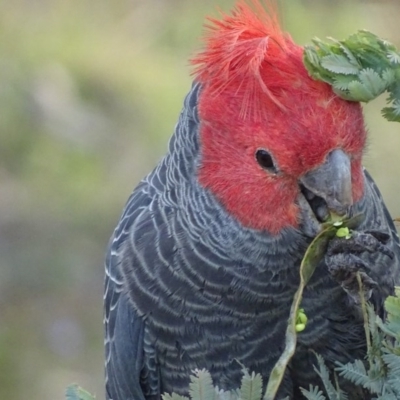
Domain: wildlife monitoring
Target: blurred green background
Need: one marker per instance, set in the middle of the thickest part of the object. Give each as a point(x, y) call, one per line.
point(90, 91)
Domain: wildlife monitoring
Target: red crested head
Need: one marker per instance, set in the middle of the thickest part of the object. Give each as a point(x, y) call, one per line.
point(257, 95)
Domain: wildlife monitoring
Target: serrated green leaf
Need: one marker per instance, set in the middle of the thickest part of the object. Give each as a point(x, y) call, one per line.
point(359, 92)
point(346, 51)
point(366, 38)
point(312, 56)
point(389, 76)
point(392, 361)
point(251, 386)
point(323, 47)
point(392, 113)
point(371, 79)
point(393, 57)
point(355, 372)
point(339, 65)
point(314, 393)
point(359, 68)
point(394, 90)
point(324, 374)
point(311, 60)
point(201, 386)
point(341, 82)
point(392, 307)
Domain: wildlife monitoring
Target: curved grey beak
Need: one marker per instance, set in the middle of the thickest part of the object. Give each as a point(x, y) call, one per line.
point(332, 182)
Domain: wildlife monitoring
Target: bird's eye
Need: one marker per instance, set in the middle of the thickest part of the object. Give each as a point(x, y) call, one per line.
point(265, 160)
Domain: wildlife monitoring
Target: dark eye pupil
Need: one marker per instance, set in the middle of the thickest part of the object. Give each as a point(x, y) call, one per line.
point(265, 159)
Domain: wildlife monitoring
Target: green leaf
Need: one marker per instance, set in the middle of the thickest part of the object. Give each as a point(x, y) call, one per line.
point(312, 56)
point(359, 68)
point(312, 61)
point(354, 372)
point(392, 307)
point(346, 51)
point(339, 65)
point(75, 392)
point(313, 393)
point(324, 374)
point(393, 363)
point(392, 113)
point(341, 82)
point(393, 57)
point(369, 86)
point(388, 76)
point(201, 386)
point(371, 79)
point(360, 92)
point(323, 47)
point(251, 387)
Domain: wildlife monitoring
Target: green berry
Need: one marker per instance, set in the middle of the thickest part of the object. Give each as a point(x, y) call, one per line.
point(302, 318)
point(343, 232)
point(300, 327)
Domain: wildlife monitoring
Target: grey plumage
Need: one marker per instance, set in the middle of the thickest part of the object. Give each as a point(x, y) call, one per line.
point(187, 286)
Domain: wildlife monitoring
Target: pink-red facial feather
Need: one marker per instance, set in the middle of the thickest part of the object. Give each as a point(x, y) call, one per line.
point(257, 94)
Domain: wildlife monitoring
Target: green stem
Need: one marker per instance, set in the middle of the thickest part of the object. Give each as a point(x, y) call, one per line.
point(365, 317)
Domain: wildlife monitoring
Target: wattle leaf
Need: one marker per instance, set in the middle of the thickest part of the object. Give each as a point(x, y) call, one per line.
point(339, 65)
point(359, 68)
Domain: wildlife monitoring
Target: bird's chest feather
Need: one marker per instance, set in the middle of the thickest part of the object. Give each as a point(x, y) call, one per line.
point(220, 323)
point(212, 294)
point(243, 324)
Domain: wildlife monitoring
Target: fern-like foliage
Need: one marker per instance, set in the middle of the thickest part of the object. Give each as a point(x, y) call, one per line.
point(359, 68)
point(314, 393)
point(251, 387)
point(380, 376)
point(323, 372)
point(202, 388)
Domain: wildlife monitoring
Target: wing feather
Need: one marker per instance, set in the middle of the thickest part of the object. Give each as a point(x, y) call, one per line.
point(124, 329)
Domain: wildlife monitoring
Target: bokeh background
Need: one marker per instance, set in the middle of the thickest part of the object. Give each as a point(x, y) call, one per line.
point(90, 91)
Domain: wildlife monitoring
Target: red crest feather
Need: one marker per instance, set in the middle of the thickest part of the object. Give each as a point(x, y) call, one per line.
point(246, 52)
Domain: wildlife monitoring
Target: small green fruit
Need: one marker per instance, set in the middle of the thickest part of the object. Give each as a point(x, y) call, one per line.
point(343, 232)
point(302, 318)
